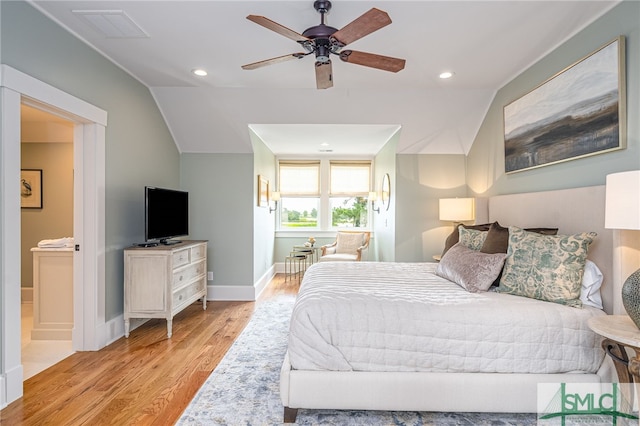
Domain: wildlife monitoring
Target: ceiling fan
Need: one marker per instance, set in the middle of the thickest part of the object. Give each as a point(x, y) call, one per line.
point(323, 41)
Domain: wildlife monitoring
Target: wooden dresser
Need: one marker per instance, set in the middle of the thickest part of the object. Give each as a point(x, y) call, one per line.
point(161, 281)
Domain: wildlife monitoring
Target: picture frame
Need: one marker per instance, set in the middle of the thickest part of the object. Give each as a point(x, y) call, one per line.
point(31, 188)
point(263, 191)
point(579, 112)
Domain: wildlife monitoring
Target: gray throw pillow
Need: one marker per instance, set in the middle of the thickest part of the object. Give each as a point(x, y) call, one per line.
point(470, 269)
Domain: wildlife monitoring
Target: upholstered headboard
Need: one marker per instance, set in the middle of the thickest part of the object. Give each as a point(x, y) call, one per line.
point(571, 211)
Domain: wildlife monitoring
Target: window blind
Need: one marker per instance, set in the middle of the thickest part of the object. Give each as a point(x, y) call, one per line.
point(300, 179)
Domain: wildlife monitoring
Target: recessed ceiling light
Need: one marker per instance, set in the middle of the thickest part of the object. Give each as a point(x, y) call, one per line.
point(324, 144)
point(446, 74)
point(199, 72)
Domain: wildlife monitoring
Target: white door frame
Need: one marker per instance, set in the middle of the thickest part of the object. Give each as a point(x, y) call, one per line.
point(89, 332)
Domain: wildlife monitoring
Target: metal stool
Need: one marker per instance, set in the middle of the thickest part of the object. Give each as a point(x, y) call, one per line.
point(294, 264)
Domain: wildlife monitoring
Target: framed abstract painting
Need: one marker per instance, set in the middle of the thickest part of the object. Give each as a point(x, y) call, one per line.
point(579, 112)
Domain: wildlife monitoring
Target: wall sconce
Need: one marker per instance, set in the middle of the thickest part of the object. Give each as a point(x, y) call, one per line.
point(457, 210)
point(275, 197)
point(373, 196)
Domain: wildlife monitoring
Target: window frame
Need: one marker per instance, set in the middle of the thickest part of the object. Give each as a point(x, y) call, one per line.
point(324, 217)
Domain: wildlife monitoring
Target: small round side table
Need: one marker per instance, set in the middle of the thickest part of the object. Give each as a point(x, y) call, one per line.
point(620, 332)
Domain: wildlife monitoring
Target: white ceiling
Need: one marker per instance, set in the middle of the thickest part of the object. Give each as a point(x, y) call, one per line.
point(486, 44)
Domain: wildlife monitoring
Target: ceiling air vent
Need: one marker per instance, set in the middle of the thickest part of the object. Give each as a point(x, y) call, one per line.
point(111, 23)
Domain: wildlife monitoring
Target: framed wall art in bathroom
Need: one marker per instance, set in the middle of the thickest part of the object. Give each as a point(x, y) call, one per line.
point(31, 188)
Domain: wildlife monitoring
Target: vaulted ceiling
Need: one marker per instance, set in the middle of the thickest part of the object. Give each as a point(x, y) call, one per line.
point(484, 43)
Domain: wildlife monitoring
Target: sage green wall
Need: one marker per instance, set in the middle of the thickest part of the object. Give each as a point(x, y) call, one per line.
point(221, 201)
point(55, 219)
point(421, 181)
point(384, 223)
point(139, 148)
point(485, 168)
point(263, 240)
point(284, 243)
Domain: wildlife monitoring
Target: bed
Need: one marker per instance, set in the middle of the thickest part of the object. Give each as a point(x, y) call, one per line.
point(487, 351)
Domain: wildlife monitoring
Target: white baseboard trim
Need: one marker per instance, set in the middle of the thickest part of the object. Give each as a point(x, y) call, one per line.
point(100, 337)
point(240, 293)
point(264, 281)
point(26, 294)
point(12, 385)
point(114, 328)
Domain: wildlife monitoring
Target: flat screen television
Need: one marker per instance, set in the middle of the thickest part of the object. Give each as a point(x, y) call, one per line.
point(166, 213)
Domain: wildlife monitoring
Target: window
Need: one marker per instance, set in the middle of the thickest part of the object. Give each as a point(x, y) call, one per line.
point(324, 194)
point(348, 194)
point(299, 194)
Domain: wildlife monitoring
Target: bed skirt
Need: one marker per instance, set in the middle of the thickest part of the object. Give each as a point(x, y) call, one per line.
point(420, 391)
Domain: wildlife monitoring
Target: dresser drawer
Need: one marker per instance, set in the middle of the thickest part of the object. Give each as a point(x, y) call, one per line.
point(181, 257)
point(189, 293)
point(188, 273)
point(198, 252)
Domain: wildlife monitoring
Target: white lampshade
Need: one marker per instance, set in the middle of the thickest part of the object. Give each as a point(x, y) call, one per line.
point(373, 196)
point(622, 205)
point(457, 209)
point(275, 196)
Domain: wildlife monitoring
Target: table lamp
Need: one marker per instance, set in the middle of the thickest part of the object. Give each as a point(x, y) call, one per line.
point(622, 211)
point(457, 210)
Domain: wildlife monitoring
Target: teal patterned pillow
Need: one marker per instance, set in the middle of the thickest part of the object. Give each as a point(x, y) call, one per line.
point(545, 267)
point(472, 238)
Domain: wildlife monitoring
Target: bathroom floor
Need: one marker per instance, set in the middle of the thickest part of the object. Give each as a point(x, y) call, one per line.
point(38, 355)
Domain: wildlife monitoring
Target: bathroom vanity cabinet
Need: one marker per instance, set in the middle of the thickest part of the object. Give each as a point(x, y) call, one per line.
point(52, 293)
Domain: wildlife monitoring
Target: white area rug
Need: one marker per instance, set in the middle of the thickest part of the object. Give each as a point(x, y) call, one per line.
point(244, 388)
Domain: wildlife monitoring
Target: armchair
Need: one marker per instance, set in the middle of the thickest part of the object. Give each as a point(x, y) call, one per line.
point(348, 246)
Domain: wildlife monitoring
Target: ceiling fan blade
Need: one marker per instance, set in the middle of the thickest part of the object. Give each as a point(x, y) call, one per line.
point(324, 75)
point(367, 23)
point(385, 63)
point(272, 61)
point(274, 26)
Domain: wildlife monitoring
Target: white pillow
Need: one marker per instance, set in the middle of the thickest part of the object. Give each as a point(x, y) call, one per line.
point(591, 282)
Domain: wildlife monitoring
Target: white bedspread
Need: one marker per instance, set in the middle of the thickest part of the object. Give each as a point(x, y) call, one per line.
point(373, 316)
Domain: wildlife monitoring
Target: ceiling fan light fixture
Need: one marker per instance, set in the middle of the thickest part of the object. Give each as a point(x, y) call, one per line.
point(324, 41)
point(323, 51)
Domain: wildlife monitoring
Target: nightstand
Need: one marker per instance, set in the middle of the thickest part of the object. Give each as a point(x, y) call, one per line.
point(620, 332)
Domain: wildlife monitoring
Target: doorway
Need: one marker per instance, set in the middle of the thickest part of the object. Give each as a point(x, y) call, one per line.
point(46, 234)
point(89, 331)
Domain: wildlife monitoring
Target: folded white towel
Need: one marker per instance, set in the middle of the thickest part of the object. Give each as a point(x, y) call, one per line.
point(57, 242)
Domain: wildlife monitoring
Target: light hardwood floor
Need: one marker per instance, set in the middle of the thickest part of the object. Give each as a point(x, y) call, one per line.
point(146, 379)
